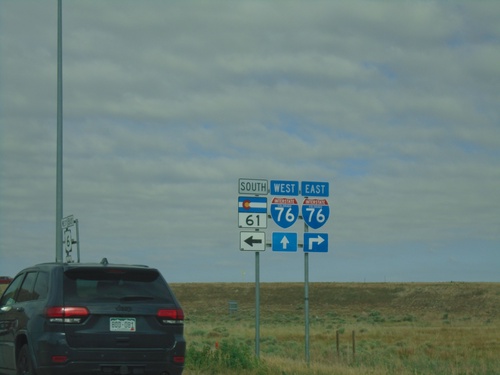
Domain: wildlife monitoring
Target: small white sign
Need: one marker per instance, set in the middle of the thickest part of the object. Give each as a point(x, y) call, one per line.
point(253, 241)
point(68, 240)
point(67, 222)
point(252, 220)
point(253, 186)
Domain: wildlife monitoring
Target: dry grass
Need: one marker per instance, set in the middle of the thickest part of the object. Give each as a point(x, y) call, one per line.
point(406, 328)
point(472, 299)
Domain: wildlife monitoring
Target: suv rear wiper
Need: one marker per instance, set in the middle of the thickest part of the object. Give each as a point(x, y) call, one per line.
point(136, 298)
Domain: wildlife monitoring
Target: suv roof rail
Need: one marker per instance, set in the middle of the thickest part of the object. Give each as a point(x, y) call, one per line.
point(104, 261)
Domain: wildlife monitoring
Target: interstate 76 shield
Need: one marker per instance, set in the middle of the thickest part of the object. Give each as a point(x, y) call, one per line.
point(284, 211)
point(315, 212)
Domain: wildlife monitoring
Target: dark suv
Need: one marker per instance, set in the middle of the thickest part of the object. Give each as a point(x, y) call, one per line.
point(99, 318)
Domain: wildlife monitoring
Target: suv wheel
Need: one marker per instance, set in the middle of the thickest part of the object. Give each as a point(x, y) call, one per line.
point(24, 365)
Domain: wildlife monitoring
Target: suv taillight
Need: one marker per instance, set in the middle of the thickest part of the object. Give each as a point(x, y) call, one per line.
point(66, 314)
point(170, 316)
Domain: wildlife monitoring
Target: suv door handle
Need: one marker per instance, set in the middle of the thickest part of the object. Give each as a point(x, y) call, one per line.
point(19, 309)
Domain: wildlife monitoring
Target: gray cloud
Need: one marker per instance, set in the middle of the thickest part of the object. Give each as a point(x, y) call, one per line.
point(166, 105)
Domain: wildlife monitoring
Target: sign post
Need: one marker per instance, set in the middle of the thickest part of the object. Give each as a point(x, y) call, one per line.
point(257, 304)
point(315, 213)
point(284, 210)
point(252, 214)
point(306, 301)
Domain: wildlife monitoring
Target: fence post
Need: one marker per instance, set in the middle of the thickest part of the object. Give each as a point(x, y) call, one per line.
point(353, 346)
point(338, 343)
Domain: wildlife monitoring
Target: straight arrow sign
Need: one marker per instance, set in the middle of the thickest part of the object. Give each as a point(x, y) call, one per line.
point(284, 241)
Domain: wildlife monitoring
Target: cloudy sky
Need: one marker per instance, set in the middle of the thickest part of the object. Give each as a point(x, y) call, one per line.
point(167, 104)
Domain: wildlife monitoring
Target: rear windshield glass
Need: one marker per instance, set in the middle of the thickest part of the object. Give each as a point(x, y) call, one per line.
point(115, 284)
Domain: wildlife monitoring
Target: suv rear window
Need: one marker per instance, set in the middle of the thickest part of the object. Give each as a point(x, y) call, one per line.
point(115, 284)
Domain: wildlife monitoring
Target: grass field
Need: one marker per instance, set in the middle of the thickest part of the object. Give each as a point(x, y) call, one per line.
point(384, 328)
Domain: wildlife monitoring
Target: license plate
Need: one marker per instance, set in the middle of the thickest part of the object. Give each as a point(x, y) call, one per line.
point(122, 324)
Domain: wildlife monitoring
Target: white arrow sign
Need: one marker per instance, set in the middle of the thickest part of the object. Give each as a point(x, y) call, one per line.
point(318, 240)
point(253, 241)
point(284, 242)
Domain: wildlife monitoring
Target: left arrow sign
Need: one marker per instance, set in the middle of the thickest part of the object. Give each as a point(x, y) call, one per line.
point(250, 240)
point(253, 241)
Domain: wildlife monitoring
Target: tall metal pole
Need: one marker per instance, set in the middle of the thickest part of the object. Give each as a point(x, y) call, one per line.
point(59, 172)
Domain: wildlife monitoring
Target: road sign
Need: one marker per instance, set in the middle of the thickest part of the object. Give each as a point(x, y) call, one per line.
point(252, 205)
point(280, 187)
point(284, 211)
point(315, 242)
point(252, 212)
point(68, 241)
point(252, 186)
point(284, 241)
point(253, 241)
point(315, 212)
point(67, 222)
point(314, 189)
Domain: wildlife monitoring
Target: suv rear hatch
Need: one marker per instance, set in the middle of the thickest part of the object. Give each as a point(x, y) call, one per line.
point(116, 307)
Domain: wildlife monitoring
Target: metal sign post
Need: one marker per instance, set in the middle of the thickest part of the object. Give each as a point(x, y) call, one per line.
point(257, 304)
point(306, 300)
point(252, 214)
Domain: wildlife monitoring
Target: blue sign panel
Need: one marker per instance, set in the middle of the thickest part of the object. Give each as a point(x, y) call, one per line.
point(315, 242)
point(284, 211)
point(280, 187)
point(314, 189)
point(283, 241)
point(315, 212)
point(252, 205)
